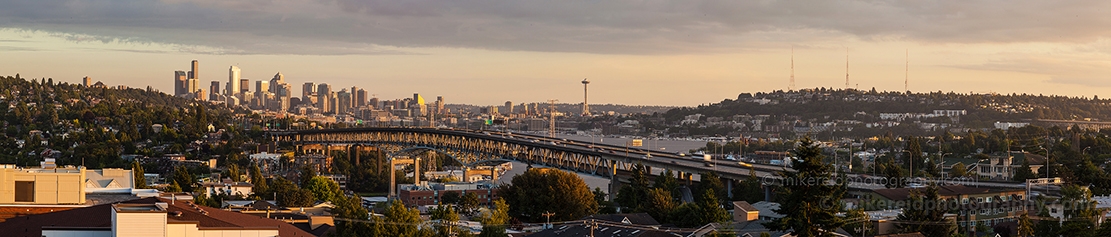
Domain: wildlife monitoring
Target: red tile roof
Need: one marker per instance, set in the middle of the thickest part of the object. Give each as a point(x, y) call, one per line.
point(100, 216)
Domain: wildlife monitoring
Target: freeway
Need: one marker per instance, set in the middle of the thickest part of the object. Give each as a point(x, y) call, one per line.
point(658, 160)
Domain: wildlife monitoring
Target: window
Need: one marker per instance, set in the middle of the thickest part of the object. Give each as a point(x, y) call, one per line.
point(25, 191)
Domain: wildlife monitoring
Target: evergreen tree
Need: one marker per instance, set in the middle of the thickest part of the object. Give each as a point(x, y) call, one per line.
point(810, 204)
point(630, 197)
point(667, 182)
point(1026, 228)
point(1080, 211)
point(925, 214)
point(495, 220)
point(659, 204)
point(137, 172)
point(604, 206)
point(184, 178)
point(258, 180)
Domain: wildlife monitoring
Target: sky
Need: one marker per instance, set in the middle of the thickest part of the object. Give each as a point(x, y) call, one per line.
point(643, 52)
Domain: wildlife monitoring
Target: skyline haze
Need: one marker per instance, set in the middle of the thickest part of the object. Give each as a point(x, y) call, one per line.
point(646, 53)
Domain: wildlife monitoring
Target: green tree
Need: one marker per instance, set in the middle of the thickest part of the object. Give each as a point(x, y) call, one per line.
point(495, 220)
point(174, 187)
point(1023, 173)
point(659, 204)
point(307, 173)
point(1026, 228)
point(1080, 211)
point(469, 203)
point(810, 204)
point(959, 170)
point(894, 174)
point(184, 178)
point(631, 196)
point(233, 172)
point(604, 206)
point(688, 215)
point(668, 182)
point(749, 189)
point(258, 180)
point(1047, 226)
point(450, 198)
point(323, 189)
point(711, 208)
point(137, 172)
point(858, 223)
point(401, 221)
point(448, 218)
point(926, 214)
point(352, 208)
point(541, 190)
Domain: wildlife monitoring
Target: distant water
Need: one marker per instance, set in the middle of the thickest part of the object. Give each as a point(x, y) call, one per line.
point(590, 180)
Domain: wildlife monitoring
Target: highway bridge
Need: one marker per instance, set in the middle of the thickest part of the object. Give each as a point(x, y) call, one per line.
point(476, 147)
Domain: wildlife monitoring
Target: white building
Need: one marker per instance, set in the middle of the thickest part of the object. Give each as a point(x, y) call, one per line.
point(227, 188)
point(149, 217)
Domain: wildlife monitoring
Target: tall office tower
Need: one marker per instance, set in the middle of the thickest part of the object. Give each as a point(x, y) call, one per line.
point(244, 85)
point(354, 90)
point(374, 103)
point(87, 81)
point(180, 82)
point(262, 90)
point(333, 102)
point(418, 105)
point(323, 91)
point(524, 109)
point(276, 82)
point(360, 98)
point(307, 91)
point(233, 81)
point(508, 107)
point(214, 90)
point(193, 86)
point(193, 73)
point(286, 95)
point(440, 104)
point(343, 101)
point(262, 87)
point(586, 106)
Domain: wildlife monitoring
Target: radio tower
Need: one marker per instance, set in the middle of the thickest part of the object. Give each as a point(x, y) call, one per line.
point(846, 68)
point(792, 86)
point(906, 74)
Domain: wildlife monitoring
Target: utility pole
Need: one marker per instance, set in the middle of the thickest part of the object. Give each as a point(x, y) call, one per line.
point(548, 223)
point(551, 119)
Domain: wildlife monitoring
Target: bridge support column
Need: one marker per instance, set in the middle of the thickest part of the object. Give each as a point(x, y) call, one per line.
point(416, 171)
point(767, 193)
point(355, 153)
point(689, 178)
point(393, 181)
point(615, 184)
point(729, 188)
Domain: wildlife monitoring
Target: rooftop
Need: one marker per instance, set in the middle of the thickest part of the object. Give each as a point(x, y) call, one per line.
point(100, 216)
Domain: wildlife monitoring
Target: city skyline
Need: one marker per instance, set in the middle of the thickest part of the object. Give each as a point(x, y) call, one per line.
point(533, 51)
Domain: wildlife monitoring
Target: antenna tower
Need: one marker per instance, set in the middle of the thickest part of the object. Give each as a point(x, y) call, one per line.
point(906, 73)
point(792, 86)
point(846, 68)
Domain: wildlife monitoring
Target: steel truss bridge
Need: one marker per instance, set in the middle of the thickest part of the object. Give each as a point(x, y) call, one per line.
point(477, 147)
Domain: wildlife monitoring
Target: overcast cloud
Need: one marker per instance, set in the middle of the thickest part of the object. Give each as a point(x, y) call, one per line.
point(590, 26)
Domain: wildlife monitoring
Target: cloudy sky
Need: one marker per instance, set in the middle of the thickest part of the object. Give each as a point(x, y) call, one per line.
point(653, 52)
